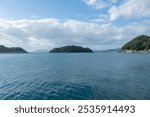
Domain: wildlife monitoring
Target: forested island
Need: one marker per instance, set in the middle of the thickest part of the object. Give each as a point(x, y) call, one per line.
point(4, 49)
point(71, 49)
point(138, 44)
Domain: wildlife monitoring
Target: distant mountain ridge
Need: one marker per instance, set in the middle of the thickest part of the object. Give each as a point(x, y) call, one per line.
point(41, 51)
point(109, 50)
point(4, 49)
point(138, 44)
point(71, 49)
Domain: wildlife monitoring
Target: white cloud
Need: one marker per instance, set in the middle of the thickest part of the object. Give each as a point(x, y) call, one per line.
point(113, 1)
point(147, 22)
point(102, 18)
point(50, 33)
point(97, 4)
point(130, 9)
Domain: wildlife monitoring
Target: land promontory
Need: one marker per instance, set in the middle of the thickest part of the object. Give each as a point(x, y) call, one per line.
point(4, 49)
point(71, 49)
point(138, 44)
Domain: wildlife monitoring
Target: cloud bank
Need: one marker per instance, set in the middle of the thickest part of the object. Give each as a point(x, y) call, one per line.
point(128, 9)
point(50, 33)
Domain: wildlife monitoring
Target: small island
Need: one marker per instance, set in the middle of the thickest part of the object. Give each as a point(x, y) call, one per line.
point(4, 49)
point(71, 49)
point(140, 44)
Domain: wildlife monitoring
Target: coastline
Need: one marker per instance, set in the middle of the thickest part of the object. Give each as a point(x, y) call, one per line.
point(135, 51)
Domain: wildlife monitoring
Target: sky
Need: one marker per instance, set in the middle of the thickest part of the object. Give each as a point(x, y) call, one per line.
point(97, 24)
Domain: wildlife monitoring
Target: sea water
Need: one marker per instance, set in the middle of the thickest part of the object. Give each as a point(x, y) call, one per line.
point(77, 76)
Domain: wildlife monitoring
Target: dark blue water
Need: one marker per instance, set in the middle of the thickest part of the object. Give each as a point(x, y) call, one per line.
point(105, 75)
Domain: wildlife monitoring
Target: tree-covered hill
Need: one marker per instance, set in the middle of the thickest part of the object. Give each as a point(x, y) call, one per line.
point(4, 49)
point(70, 49)
point(140, 43)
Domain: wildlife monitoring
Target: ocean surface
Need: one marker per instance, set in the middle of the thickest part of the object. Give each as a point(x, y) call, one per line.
point(80, 76)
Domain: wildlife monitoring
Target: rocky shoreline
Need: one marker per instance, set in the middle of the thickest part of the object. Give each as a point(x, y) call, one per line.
point(135, 51)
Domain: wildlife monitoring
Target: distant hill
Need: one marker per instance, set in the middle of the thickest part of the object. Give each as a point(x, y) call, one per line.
point(71, 49)
point(140, 43)
point(109, 50)
point(4, 49)
point(41, 51)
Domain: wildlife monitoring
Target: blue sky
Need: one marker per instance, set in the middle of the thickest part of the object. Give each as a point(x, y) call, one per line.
point(61, 9)
point(98, 24)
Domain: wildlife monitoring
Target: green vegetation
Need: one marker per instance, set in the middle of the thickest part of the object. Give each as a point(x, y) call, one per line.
point(140, 43)
point(4, 49)
point(70, 49)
